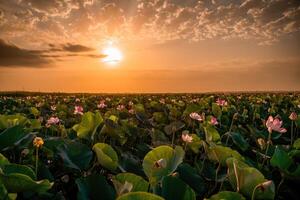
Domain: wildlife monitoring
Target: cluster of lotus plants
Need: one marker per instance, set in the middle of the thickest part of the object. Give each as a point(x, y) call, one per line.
point(150, 147)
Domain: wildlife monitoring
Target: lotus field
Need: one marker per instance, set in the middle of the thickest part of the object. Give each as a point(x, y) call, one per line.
point(150, 146)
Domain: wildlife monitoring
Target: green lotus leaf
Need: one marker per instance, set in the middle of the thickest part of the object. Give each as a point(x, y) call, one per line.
point(138, 183)
point(175, 189)
point(86, 129)
point(139, 196)
point(227, 195)
point(216, 110)
point(11, 137)
point(281, 159)
point(191, 108)
point(211, 134)
point(4, 195)
point(195, 144)
point(162, 161)
point(34, 111)
point(160, 117)
point(7, 121)
point(94, 187)
point(220, 154)
point(16, 182)
point(106, 156)
point(248, 178)
point(75, 155)
point(3, 160)
point(239, 141)
point(191, 177)
point(296, 144)
point(21, 169)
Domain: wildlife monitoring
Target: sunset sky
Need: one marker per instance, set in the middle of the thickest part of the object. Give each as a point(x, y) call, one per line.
point(166, 45)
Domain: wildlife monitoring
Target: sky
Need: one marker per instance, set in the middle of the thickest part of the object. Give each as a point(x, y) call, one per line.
point(166, 45)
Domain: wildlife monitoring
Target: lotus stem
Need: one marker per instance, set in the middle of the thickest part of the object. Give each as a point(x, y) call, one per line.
point(292, 132)
point(230, 128)
point(267, 149)
point(254, 190)
point(173, 138)
point(237, 178)
point(36, 161)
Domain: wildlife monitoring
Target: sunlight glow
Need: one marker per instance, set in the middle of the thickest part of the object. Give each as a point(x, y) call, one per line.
point(112, 55)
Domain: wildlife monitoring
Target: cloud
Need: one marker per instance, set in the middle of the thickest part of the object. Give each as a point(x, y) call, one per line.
point(70, 48)
point(163, 20)
point(12, 55)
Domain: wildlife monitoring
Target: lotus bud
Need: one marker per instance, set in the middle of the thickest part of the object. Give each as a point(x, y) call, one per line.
point(293, 116)
point(38, 142)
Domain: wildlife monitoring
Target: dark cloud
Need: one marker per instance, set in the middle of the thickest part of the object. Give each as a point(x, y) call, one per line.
point(11, 55)
point(76, 48)
point(69, 47)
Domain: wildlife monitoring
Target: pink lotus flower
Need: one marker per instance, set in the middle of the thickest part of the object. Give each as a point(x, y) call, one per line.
point(77, 100)
point(52, 121)
point(196, 116)
point(186, 138)
point(275, 125)
point(221, 102)
point(120, 107)
point(293, 116)
point(131, 111)
point(102, 104)
point(78, 110)
point(214, 121)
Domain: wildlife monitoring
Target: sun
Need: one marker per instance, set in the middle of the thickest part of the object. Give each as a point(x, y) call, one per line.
point(113, 55)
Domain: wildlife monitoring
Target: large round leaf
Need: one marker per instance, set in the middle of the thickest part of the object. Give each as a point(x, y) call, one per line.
point(94, 187)
point(227, 195)
point(211, 134)
point(7, 121)
point(89, 123)
point(161, 162)
point(138, 183)
point(239, 141)
point(11, 137)
point(190, 176)
point(216, 110)
point(245, 179)
point(175, 189)
point(139, 196)
point(75, 155)
point(21, 169)
point(281, 159)
point(195, 144)
point(3, 160)
point(106, 156)
point(220, 154)
point(16, 182)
